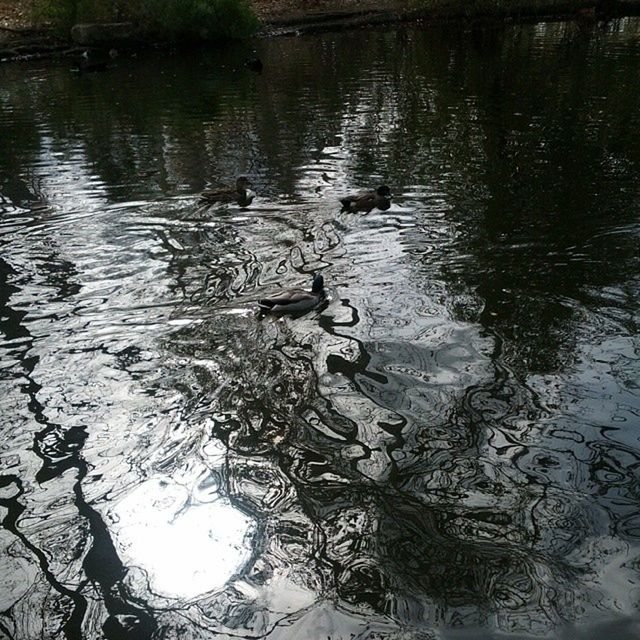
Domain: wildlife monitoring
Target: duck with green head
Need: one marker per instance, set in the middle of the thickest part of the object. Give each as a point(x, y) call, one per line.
point(241, 194)
point(295, 300)
point(378, 199)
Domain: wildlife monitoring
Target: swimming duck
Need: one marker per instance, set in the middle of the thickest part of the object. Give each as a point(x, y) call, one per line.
point(241, 194)
point(88, 63)
point(292, 300)
point(378, 199)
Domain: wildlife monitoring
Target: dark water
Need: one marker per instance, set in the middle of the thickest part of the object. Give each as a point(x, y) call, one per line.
point(449, 450)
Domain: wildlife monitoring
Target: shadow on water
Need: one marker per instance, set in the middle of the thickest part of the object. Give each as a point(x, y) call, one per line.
point(447, 450)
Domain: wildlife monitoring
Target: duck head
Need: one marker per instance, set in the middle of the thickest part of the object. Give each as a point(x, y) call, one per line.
point(318, 283)
point(242, 183)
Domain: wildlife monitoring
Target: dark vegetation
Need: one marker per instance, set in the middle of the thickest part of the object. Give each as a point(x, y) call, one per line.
point(37, 28)
point(168, 19)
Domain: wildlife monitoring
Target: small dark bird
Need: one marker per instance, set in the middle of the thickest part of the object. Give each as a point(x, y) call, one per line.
point(378, 199)
point(241, 194)
point(254, 64)
point(86, 63)
point(292, 300)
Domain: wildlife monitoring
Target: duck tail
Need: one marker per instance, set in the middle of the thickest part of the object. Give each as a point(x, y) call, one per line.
point(346, 203)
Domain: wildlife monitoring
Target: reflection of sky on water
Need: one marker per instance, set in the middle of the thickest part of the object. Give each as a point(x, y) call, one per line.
point(186, 549)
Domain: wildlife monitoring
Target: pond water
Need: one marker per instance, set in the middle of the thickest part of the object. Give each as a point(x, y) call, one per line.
point(449, 449)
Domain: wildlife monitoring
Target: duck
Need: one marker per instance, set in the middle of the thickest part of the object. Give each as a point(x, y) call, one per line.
point(94, 60)
point(294, 300)
point(378, 199)
point(240, 194)
point(86, 63)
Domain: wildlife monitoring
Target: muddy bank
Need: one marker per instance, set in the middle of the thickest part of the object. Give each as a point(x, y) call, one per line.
point(285, 15)
point(21, 39)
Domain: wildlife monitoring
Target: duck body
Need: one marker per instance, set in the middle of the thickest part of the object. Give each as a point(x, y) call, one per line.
point(94, 60)
point(88, 64)
point(240, 194)
point(378, 199)
point(294, 300)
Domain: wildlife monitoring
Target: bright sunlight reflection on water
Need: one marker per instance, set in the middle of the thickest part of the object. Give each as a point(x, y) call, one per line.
point(186, 549)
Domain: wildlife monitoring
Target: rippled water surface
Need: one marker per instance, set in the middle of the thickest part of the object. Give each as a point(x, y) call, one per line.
point(449, 449)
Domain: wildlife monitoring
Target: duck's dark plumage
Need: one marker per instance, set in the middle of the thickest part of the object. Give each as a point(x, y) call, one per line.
point(378, 199)
point(88, 63)
point(241, 194)
point(293, 300)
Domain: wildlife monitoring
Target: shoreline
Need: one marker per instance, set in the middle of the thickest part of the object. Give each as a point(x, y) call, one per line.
point(23, 42)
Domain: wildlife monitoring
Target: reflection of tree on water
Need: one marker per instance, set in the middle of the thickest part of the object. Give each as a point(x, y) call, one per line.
point(379, 544)
point(475, 510)
point(534, 224)
point(415, 475)
point(59, 448)
point(471, 508)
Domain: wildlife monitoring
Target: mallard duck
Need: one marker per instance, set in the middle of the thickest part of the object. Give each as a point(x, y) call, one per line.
point(241, 194)
point(292, 300)
point(378, 199)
